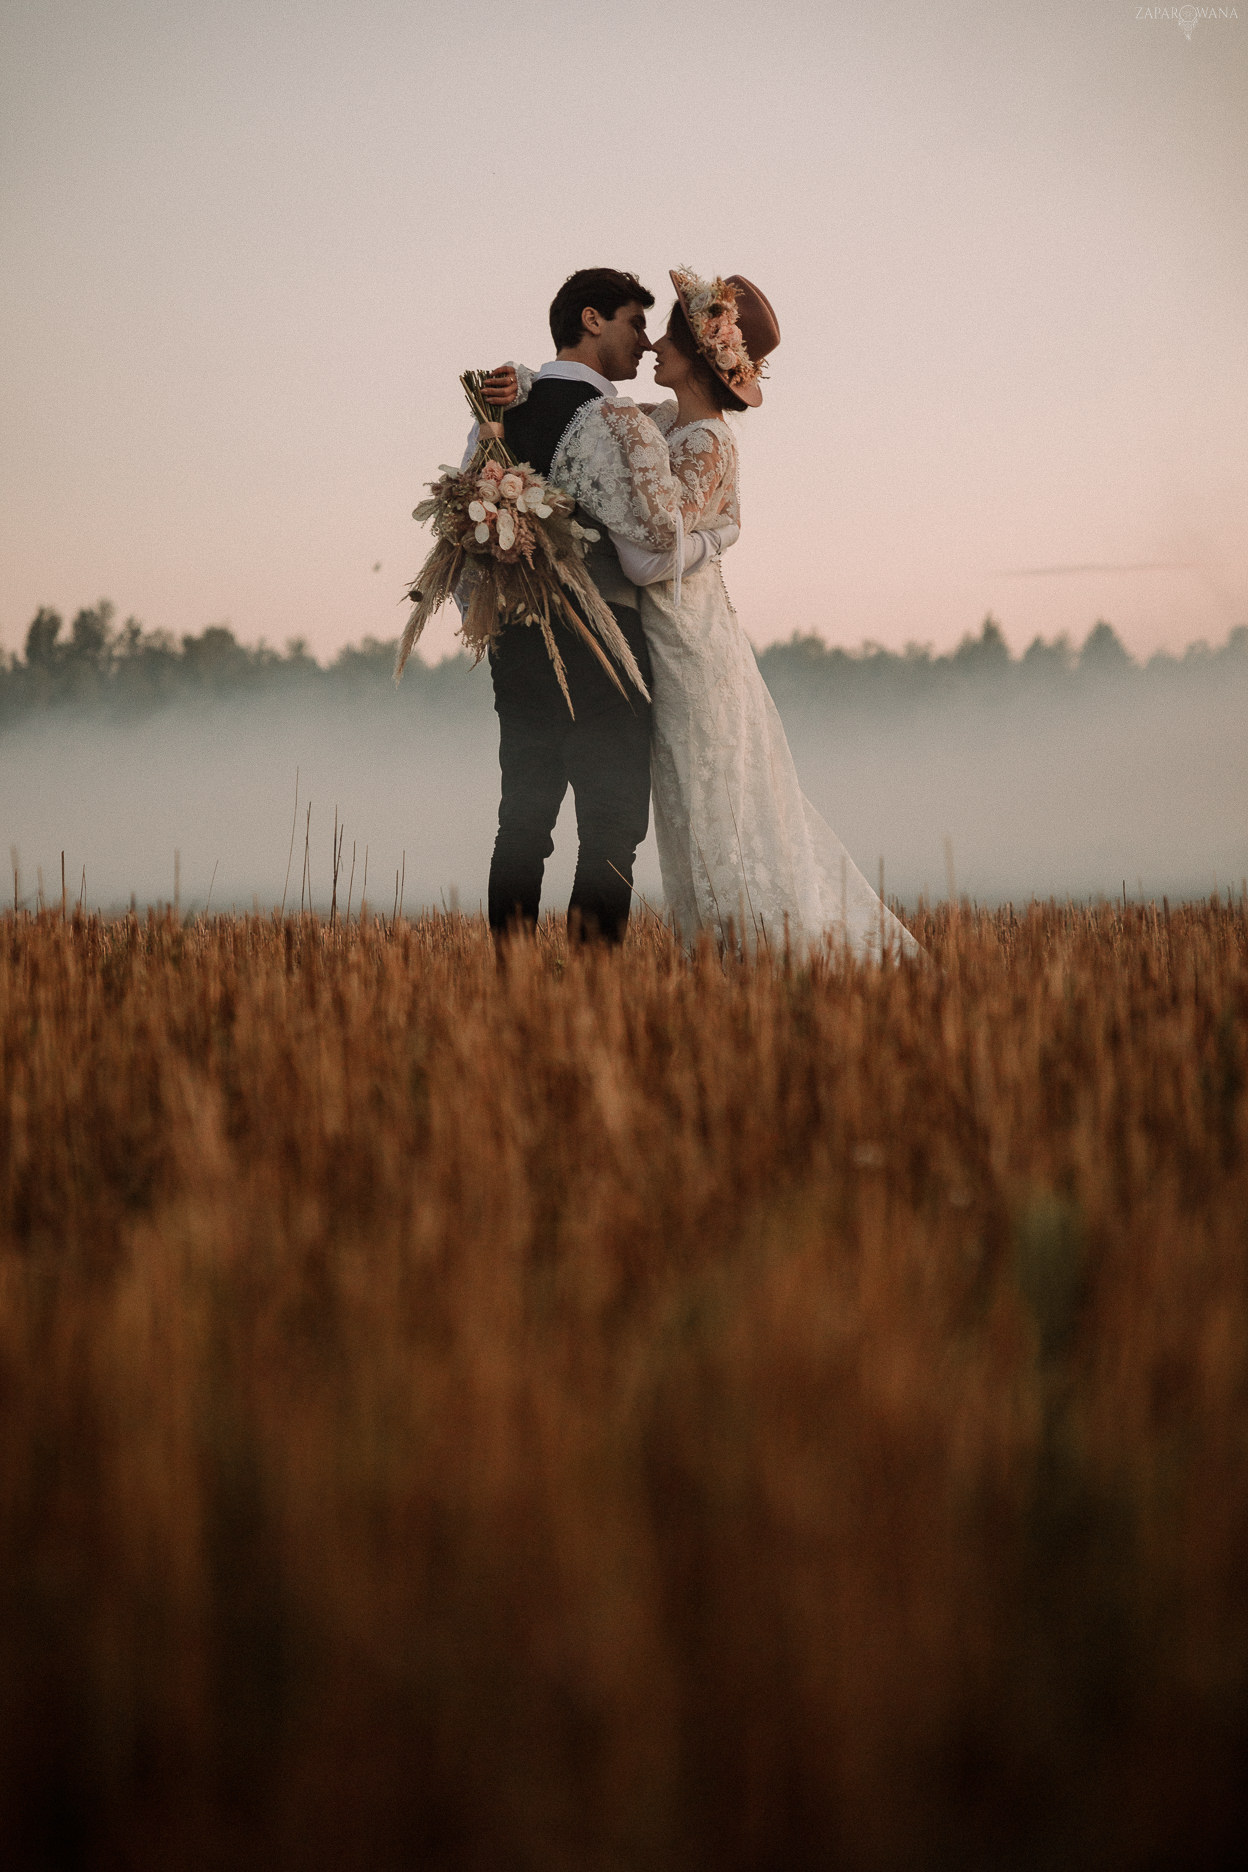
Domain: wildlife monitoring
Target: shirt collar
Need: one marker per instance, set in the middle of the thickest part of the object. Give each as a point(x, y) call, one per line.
point(567, 370)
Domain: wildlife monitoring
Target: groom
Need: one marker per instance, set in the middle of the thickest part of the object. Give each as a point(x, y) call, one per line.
point(598, 324)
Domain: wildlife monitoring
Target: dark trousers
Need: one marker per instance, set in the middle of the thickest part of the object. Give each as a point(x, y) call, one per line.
point(605, 758)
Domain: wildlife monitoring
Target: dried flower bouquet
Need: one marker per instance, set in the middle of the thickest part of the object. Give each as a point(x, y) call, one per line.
point(508, 540)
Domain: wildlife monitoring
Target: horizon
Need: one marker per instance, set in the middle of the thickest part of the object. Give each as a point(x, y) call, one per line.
point(1064, 642)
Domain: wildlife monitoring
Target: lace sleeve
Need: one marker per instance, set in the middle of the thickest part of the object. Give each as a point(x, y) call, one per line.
point(704, 465)
point(614, 463)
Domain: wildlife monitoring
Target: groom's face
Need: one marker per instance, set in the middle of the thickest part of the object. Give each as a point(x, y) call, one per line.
point(622, 342)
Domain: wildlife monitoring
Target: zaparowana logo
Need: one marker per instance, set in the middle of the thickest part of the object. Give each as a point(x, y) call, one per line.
point(1187, 18)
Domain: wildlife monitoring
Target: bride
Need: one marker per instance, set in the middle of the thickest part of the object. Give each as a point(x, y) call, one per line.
point(742, 851)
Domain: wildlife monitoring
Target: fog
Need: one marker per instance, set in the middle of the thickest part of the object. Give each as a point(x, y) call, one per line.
point(1065, 798)
point(1064, 794)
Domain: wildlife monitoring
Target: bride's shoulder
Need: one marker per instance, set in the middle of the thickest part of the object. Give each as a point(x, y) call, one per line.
point(614, 409)
point(706, 435)
point(624, 408)
point(663, 415)
point(625, 419)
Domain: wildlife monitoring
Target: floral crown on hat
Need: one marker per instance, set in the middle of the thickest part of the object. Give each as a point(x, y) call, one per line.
point(711, 308)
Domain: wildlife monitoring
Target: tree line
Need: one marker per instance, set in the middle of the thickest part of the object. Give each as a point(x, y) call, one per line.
point(97, 663)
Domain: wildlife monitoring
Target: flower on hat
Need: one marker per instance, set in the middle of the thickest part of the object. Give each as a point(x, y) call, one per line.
point(711, 308)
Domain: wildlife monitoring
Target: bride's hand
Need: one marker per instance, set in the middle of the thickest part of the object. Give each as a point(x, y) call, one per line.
point(499, 387)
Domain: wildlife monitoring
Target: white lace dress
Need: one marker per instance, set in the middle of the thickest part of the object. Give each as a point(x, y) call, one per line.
point(742, 850)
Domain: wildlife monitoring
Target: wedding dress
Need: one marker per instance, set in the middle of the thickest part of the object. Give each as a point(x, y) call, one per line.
point(742, 851)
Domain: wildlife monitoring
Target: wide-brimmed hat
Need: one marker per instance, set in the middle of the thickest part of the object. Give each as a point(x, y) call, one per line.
point(733, 326)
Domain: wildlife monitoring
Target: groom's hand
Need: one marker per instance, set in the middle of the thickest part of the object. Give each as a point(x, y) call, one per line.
point(499, 386)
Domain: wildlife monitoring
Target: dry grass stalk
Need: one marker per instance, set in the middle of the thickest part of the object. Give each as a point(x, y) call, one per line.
point(617, 1410)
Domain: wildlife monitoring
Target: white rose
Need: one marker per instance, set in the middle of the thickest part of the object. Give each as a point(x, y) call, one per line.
point(511, 486)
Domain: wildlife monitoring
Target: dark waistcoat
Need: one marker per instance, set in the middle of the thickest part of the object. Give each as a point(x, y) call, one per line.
point(524, 678)
point(532, 430)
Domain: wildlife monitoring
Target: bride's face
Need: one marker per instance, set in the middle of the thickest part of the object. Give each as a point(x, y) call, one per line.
point(671, 367)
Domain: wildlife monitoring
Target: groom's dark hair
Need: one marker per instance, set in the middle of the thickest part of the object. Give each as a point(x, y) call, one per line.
point(600, 287)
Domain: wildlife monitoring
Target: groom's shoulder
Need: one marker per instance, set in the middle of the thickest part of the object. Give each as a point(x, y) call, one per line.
point(551, 405)
point(534, 428)
point(562, 393)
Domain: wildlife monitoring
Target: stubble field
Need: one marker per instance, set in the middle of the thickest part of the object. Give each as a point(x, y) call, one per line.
point(623, 1411)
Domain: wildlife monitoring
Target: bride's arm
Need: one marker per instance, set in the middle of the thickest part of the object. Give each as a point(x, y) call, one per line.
point(704, 467)
point(691, 480)
point(614, 462)
point(503, 388)
point(618, 466)
point(508, 385)
point(653, 568)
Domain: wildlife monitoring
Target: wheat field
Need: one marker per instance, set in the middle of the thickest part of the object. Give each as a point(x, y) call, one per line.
point(623, 1410)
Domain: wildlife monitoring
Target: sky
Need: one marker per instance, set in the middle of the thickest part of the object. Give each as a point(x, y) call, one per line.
point(247, 249)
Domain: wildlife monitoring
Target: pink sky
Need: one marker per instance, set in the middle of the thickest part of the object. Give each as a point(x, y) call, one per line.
point(248, 248)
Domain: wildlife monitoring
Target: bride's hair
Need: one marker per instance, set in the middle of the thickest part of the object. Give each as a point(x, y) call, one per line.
point(681, 335)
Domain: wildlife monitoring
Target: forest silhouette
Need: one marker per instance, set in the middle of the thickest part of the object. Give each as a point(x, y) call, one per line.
point(127, 669)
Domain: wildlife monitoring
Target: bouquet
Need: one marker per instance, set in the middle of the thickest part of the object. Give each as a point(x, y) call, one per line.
point(507, 540)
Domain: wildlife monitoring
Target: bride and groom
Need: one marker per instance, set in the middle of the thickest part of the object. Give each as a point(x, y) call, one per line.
point(741, 850)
